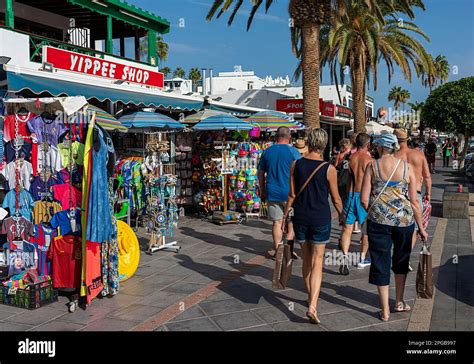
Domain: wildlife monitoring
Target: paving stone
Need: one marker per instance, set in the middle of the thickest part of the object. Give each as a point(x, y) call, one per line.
point(219, 307)
point(199, 324)
point(6, 314)
point(297, 326)
point(110, 324)
point(257, 328)
point(341, 321)
point(135, 312)
point(81, 316)
point(59, 325)
point(184, 287)
point(237, 320)
point(10, 326)
point(273, 315)
point(36, 317)
point(162, 299)
point(191, 313)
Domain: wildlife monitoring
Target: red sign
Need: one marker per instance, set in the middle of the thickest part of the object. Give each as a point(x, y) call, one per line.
point(343, 111)
point(290, 105)
point(81, 63)
point(326, 108)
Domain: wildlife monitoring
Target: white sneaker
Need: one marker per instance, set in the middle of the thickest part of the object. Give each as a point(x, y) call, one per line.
point(364, 263)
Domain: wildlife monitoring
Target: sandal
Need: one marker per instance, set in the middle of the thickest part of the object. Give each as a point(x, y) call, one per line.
point(382, 318)
point(402, 307)
point(313, 316)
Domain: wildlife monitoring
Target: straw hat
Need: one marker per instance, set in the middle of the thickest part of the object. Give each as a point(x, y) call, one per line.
point(300, 144)
point(401, 135)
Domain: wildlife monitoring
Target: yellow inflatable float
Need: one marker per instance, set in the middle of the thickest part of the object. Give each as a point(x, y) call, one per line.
point(129, 251)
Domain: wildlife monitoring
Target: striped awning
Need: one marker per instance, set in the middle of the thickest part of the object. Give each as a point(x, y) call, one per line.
point(201, 115)
point(105, 120)
point(222, 122)
point(151, 120)
point(272, 120)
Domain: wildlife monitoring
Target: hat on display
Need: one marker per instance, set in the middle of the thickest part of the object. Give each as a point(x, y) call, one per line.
point(401, 135)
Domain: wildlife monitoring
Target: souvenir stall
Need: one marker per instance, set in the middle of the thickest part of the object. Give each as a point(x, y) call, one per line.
point(57, 223)
point(218, 164)
point(150, 183)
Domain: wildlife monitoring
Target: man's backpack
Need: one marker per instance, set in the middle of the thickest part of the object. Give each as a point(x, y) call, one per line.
point(345, 177)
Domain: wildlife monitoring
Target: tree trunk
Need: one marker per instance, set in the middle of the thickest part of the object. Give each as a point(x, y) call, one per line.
point(358, 96)
point(310, 70)
point(467, 136)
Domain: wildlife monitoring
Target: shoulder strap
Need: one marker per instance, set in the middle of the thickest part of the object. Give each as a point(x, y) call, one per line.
point(316, 170)
point(385, 186)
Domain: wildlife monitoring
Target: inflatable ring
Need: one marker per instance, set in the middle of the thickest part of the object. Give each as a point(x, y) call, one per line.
point(129, 251)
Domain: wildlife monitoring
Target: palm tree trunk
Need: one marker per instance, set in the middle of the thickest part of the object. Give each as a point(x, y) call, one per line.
point(310, 68)
point(467, 136)
point(358, 96)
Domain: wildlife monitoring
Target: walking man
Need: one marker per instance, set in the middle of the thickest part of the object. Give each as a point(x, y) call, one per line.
point(353, 210)
point(418, 163)
point(274, 180)
point(430, 152)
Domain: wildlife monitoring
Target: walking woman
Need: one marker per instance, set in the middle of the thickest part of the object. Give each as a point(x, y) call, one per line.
point(392, 212)
point(447, 150)
point(312, 181)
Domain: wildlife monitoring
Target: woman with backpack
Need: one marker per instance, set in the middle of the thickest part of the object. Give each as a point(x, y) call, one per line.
point(312, 180)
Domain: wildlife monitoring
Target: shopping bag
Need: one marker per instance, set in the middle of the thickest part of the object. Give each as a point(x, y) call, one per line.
point(426, 213)
point(424, 275)
point(283, 266)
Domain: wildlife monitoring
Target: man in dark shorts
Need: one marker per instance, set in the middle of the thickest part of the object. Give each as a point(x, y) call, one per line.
point(430, 153)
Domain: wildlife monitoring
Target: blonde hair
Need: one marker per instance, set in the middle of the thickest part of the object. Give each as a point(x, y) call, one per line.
point(317, 140)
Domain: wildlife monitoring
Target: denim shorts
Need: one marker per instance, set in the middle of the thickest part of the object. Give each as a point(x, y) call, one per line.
point(312, 234)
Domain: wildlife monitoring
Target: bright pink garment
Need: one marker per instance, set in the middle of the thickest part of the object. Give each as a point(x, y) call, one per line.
point(65, 196)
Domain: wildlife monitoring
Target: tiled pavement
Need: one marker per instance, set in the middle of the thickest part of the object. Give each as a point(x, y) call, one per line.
point(221, 280)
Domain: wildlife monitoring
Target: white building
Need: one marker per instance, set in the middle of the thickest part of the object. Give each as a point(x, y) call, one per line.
point(179, 85)
point(239, 80)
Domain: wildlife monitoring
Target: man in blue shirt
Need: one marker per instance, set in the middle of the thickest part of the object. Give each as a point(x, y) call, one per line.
point(274, 180)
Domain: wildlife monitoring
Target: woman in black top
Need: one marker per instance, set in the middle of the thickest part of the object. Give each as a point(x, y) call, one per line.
point(311, 212)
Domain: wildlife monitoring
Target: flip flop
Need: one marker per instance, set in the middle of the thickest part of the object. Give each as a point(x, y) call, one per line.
point(402, 307)
point(313, 316)
point(384, 319)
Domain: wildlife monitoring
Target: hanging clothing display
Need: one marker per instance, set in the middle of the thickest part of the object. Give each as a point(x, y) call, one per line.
point(49, 236)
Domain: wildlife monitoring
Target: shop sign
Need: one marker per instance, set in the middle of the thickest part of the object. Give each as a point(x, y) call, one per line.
point(81, 63)
point(290, 105)
point(326, 108)
point(343, 111)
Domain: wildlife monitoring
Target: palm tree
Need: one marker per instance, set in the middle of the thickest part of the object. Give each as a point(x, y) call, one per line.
point(417, 107)
point(398, 96)
point(179, 72)
point(360, 40)
point(436, 73)
point(194, 75)
point(166, 71)
point(307, 17)
point(161, 48)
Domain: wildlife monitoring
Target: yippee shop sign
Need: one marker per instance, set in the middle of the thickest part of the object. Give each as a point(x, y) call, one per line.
point(81, 63)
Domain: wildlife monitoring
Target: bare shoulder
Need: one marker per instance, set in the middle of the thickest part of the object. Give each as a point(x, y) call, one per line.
point(415, 156)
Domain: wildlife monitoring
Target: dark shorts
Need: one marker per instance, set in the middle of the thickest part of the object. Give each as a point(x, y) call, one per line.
point(312, 234)
point(381, 240)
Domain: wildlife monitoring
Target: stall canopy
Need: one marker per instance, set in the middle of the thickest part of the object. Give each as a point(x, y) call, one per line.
point(105, 120)
point(272, 120)
point(68, 105)
point(201, 115)
point(58, 87)
point(143, 119)
point(222, 122)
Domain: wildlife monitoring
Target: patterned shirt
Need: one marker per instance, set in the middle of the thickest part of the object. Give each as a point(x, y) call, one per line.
point(393, 207)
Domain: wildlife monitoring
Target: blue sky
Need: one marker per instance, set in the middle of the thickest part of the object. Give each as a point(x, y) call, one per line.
point(266, 48)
